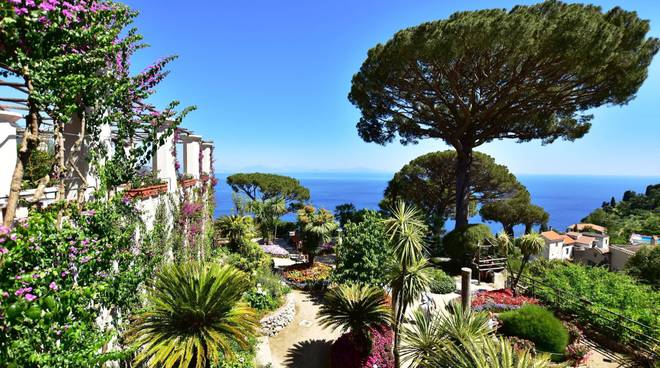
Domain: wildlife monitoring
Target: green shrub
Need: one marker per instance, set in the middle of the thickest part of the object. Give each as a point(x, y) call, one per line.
point(536, 324)
point(261, 300)
point(645, 265)
point(460, 244)
point(441, 283)
point(614, 291)
point(363, 254)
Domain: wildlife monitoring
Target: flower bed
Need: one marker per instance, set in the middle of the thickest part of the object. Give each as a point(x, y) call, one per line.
point(275, 250)
point(499, 300)
point(344, 354)
point(303, 276)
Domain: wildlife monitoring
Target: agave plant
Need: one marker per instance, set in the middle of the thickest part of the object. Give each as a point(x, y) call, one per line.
point(356, 308)
point(194, 315)
point(461, 339)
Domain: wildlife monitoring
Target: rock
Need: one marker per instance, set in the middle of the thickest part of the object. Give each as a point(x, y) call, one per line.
point(276, 321)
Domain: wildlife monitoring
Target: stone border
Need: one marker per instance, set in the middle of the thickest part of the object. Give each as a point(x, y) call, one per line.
point(276, 321)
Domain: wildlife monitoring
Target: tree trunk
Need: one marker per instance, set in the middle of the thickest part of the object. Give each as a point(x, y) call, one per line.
point(463, 165)
point(517, 279)
point(29, 142)
point(508, 229)
point(529, 228)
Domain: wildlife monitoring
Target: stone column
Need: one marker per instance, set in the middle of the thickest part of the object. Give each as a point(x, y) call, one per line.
point(466, 295)
point(207, 157)
point(8, 153)
point(191, 151)
point(164, 163)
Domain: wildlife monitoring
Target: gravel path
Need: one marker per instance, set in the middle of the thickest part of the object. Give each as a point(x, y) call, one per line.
point(303, 343)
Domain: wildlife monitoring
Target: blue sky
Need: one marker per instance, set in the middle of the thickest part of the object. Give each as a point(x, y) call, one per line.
point(270, 79)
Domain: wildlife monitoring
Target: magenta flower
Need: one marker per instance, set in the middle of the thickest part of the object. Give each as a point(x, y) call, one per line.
point(5, 294)
point(53, 286)
point(46, 6)
point(29, 2)
point(15, 1)
point(4, 230)
point(4, 250)
point(20, 11)
point(30, 297)
point(12, 236)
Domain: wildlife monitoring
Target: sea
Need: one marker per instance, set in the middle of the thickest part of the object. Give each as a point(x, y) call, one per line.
point(566, 198)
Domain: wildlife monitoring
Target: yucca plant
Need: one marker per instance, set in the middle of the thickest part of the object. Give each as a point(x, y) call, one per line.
point(194, 314)
point(356, 308)
point(530, 244)
point(410, 276)
point(236, 228)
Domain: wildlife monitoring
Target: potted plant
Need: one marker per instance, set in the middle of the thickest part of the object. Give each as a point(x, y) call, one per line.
point(146, 185)
point(187, 181)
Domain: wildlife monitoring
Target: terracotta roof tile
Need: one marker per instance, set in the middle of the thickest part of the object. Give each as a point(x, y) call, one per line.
point(552, 236)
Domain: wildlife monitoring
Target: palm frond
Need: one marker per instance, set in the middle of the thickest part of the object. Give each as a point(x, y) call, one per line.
point(194, 315)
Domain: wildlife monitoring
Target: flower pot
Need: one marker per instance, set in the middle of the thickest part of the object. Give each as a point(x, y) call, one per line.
point(146, 192)
point(187, 183)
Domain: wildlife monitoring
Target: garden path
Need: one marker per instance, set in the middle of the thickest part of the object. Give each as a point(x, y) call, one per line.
point(303, 343)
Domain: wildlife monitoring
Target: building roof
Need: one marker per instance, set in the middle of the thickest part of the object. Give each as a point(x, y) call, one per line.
point(552, 236)
point(582, 226)
point(568, 240)
point(587, 240)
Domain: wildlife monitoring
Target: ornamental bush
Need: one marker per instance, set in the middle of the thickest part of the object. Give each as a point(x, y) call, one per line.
point(364, 253)
point(345, 355)
point(441, 283)
point(460, 244)
point(538, 325)
point(56, 281)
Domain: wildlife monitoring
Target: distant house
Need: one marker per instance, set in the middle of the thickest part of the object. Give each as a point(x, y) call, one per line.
point(588, 240)
point(557, 246)
point(591, 256)
point(587, 228)
point(620, 254)
point(640, 239)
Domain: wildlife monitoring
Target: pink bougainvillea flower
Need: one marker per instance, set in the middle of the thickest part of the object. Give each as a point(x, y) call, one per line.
point(4, 250)
point(29, 2)
point(5, 294)
point(4, 230)
point(45, 6)
point(15, 1)
point(12, 236)
point(30, 297)
point(20, 11)
point(53, 286)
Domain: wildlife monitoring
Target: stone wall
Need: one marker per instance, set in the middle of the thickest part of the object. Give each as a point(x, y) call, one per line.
point(276, 321)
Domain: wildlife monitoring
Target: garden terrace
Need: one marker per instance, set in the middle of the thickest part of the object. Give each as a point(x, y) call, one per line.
point(81, 176)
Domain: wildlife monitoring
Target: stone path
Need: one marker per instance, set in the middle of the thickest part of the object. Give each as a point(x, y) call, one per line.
point(303, 343)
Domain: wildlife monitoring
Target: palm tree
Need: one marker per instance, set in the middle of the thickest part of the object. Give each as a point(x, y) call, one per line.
point(356, 308)
point(504, 245)
point(460, 339)
point(236, 228)
point(410, 276)
point(530, 244)
point(317, 228)
point(194, 315)
point(267, 214)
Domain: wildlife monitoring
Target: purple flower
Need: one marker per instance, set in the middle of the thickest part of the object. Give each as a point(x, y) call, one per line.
point(4, 230)
point(29, 2)
point(89, 213)
point(46, 6)
point(53, 286)
point(12, 236)
point(5, 294)
point(20, 11)
point(2, 240)
point(18, 277)
point(30, 297)
point(15, 1)
point(4, 250)
point(85, 259)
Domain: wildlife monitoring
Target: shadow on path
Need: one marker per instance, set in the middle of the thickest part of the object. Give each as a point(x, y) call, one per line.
point(309, 354)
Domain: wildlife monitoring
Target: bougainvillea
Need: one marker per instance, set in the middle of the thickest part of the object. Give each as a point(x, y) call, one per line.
point(55, 283)
point(499, 300)
point(345, 355)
